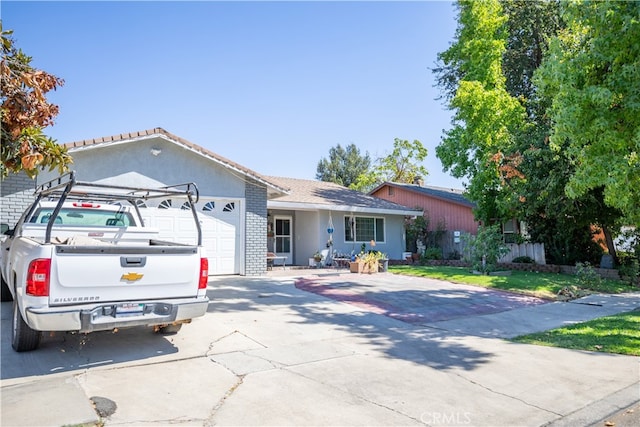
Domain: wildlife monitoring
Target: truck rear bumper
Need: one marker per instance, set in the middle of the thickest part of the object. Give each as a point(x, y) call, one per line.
point(102, 317)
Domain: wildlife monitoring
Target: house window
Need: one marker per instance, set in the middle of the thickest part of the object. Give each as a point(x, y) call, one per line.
point(209, 207)
point(185, 206)
point(229, 207)
point(509, 231)
point(391, 191)
point(165, 204)
point(363, 229)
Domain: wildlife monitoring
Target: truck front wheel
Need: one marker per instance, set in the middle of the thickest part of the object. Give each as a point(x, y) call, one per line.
point(23, 338)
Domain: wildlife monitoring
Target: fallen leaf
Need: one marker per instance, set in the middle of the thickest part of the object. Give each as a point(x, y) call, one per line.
point(609, 423)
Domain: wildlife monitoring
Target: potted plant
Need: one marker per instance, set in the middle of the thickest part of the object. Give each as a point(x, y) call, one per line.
point(317, 257)
point(366, 262)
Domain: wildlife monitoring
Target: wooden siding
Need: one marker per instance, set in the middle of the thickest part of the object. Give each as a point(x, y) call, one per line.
point(456, 216)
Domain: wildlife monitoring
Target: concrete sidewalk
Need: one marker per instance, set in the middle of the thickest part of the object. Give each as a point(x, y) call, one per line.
point(269, 353)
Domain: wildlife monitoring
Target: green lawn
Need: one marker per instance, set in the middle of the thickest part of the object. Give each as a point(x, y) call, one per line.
point(543, 285)
point(612, 334)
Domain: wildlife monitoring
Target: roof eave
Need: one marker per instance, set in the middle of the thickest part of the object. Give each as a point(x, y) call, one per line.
point(298, 206)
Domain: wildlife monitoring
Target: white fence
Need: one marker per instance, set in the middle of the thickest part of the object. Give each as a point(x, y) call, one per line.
point(534, 251)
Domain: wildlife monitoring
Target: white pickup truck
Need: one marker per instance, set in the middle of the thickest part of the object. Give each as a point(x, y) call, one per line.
point(80, 259)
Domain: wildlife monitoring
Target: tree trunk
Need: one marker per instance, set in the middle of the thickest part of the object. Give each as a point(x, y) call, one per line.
point(610, 245)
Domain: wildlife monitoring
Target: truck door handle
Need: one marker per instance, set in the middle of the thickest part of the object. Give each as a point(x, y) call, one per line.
point(133, 261)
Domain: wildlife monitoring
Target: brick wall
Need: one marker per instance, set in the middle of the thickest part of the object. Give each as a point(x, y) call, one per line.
point(255, 229)
point(16, 193)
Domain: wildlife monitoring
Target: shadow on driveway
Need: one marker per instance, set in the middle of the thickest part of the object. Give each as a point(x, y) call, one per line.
point(369, 319)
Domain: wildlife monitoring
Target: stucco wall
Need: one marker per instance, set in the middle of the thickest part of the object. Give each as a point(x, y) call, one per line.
point(312, 235)
point(133, 164)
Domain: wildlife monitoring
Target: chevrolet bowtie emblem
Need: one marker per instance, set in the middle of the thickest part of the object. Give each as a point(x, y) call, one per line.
point(131, 277)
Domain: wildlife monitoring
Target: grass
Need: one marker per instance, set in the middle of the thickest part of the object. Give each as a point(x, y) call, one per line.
point(618, 334)
point(542, 285)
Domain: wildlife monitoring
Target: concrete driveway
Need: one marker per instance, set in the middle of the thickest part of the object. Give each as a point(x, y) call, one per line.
point(325, 350)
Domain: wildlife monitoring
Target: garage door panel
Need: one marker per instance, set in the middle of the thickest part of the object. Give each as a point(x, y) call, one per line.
point(220, 232)
point(227, 245)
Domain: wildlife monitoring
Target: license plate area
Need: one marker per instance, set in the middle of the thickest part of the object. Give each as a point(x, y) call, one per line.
point(129, 309)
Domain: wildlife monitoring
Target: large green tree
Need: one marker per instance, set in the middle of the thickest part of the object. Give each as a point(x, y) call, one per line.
point(592, 75)
point(530, 177)
point(25, 111)
point(486, 117)
point(343, 166)
point(537, 193)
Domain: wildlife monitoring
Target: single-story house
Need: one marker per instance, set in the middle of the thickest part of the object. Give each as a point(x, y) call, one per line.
point(234, 201)
point(318, 215)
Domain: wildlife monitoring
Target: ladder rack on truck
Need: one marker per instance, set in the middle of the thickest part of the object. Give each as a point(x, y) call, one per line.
point(66, 187)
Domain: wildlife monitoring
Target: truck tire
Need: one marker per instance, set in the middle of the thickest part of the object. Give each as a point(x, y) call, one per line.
point(23, 338)
point(5, 293)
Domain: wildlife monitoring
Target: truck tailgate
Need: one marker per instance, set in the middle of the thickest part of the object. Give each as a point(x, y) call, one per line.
point(103, 274)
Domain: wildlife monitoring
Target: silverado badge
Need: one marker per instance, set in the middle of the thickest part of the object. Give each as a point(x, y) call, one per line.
point(131, 277)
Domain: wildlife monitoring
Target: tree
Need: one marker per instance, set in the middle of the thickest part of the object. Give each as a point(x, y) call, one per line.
point(343, 166)
point(486, 116)
point(565, 225)
point(591, 74)
point(25, 112)
point(403, 164)
point(530, 177)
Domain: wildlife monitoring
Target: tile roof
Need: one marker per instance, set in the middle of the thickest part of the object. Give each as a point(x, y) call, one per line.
point(155, 132)
point(334, 196)
point(448, 194)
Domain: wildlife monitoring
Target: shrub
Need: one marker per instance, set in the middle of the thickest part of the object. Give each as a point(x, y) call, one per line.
point(432, 253)
point(523, 260)
point(484, 250)
point(629, 270)
point(587, 277)
point(455, 255)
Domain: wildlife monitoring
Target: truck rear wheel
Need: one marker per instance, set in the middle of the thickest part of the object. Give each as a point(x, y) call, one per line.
point(23, 338)
point(5, 293)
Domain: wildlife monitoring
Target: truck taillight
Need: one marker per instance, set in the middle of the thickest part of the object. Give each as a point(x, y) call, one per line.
point(204, 273)
point(38, 277)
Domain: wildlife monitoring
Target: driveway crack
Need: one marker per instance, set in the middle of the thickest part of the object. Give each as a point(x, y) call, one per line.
point(489, 389)
point(209, 421)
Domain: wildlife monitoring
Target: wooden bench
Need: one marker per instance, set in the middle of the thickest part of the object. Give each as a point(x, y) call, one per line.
point(272, 258)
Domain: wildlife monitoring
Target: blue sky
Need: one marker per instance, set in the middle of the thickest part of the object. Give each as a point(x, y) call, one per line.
point(269, 85)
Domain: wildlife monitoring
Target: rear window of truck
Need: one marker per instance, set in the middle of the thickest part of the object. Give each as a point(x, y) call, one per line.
point(82, 216)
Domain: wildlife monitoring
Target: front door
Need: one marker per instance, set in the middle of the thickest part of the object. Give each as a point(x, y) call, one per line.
point(282, 237)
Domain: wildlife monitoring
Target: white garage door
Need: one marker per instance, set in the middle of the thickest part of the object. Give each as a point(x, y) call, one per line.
point(220, 224)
